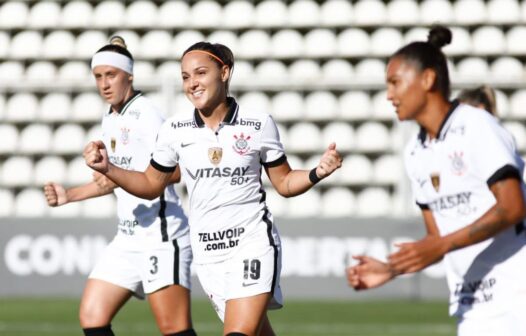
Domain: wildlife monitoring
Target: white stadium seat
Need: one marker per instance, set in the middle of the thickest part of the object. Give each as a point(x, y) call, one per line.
point(271, 13)
point(461, 42)
point(284, 138)
point(336, 13)
point(337, 70)
point(109, 14)
point(94, 133)
point(403, 12)
point(305, 71)
point(515, 38)
point(388, 169)
point(304, 137)
point(341, 133)
point(416, 34)
point(26, 44)
point(320, 43)
point(55, 107)
point(21, 107)
point(338, 202)
point(5, 42)
point(357, 169)
point(14, 14)
point(505, 68)
point(75, 71)
point(287, 106)
point(372, 137)
point(244, 72)
point(370, 70)
point(88, 42)
point(270, 71)
point(355, 105)
point(436, 11)
point(488, 40)
point(518, 131)
point(287, 43)
point(228, 38)
point(206, 14)
point(131, 37)
point(374, 202)
point(254, 43)
point(11, 72)
point(44, 14)
point(305, 205)
point(78, 14)
point(239, 14)
point(50, 169)
point(87, 106)
point(58, 44)
point(518, 104)
point(353, 42)
point(383, 109)
point(41, 71)
point(2, 106)
point(7, 202)
point(255, 101)
point(78, 172)
point(470, 12)
point(9, 136)
point(503, 104)
point(172, 70)
point(17, 171)
point(173, 14)
point(304, 13)
point(35, 139)
point(68, 139)
point(370, 12)
point(100, 207)
point(385, 41)
point(504, 12)
point(143, 71)
point(472, 69)
point(30, 202)
point(184, 39)
point(141, 14)
point(321, 105)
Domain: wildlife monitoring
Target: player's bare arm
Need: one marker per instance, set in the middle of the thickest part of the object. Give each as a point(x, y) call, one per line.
point(289, 182)
point(57, 195)
point(368, 273)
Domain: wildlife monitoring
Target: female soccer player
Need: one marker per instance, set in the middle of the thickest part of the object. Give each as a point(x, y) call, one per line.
point(482, 97)
point(151, 251)
point(221, 148)
point(466, 176)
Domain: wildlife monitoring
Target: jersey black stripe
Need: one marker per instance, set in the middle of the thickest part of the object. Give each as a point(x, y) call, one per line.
point(275, 163)
point(161, 168)
point(162, 216)
point(176, 262)
point(273, 244)
point(508, 171)
point(422, 206)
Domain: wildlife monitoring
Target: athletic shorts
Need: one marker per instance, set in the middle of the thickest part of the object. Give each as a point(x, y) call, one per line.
point(246, 274)
point(145, 271)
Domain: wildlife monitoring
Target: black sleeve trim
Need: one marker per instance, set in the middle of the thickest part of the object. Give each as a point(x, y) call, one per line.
point(422, 206)
point(275, 163)
point(508, 171)
point(161, 168)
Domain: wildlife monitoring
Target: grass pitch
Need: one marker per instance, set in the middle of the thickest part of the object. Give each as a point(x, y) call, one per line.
point(36, 317)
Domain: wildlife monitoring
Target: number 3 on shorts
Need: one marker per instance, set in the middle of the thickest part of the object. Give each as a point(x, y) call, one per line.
point(254, 266)
point(155, 267)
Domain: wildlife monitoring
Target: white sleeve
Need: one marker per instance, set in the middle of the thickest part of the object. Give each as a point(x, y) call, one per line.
point(151, 126)
point(165, 156)
point(271, 149)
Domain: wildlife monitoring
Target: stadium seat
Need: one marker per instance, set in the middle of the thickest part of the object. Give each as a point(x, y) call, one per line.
point(109, 14)
point(17, 171)
point(173, 14)
point(388, 169)
point(59, 44)
point(100, 207)
point(206, 14)
point(21, 107)
point(523, 11)
point(320, 43)
point(227, 38)
point(470, 12)
point(184, 39)
point(270, 71)
point(507, 68)
point(50, 169)
point(276, 203)
point(75, 71)
point(356, 170)
point(337, 70)
point(416, 34)
point(255, 101)
point(304, 13)
point(403, 12)
point(515, 38)
point(287, 106)
point(488, 40)
point(517, 104)
point(436, 11)
point(141, 14)
point(504, 12)
point(238, 14)
point(353, 42)
point(336, 13)
point(44, 14)
point(383, 109)
point(287, 43)
point(517, 129)
point(143, 71)
point(370, 70)
point(374, 202)
point(338, 202)
point(55, 107)
point(13, 15)
point(271, 13)
point(304, 71)
point(30, 202)
point(305, 205)
point(41, 71)
point(373, 137)
point(26, 44)
point(78, 172)
point(321, 105)
point(94, 133)
point(68, 139)
point(341, 133)
point(35, 139)
point(304, 137)
point(472, 69)
point(172, 70)
point(78, 14)
point(355, 105)
point(11, 72)
point(88, 42)
point(7, 202)
point(385, 41)
point(503, 104)
point(284, 138)
point(131, 37)
point(370, 13)
point(9, 136)
point(255, 44)
point(461, 44)
point(5, 42)
point(2, 106)
point(244, 72)
point(87, 107)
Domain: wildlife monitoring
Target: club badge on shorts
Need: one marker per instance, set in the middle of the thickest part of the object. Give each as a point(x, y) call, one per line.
point(215, 154)
point(113, 144)
point(241, 145)
point(435, 181)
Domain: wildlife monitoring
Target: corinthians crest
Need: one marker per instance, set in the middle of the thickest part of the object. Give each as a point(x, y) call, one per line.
point(458, 166)
point(241, 145)
point(215, 154)
point(125, 135)
point(435, 181)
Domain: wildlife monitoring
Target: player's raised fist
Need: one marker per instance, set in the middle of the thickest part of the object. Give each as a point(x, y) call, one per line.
point(96, 156)
point(55, 194)
point(329, 162)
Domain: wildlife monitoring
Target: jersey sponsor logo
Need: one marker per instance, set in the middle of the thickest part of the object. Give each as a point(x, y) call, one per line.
point(215, 154)
point(185, 123)
point(466, 291)
point(458, 166)
point(127, 226)
point(134, 113)
point(250, 123)
point(435, 181)
point(125, 135)
point(121, 161)
point(461, 201)
point(218, 172)
point(241, 145)
point(221, 240)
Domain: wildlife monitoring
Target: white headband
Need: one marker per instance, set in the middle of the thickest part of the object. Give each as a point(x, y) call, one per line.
point(113, 59)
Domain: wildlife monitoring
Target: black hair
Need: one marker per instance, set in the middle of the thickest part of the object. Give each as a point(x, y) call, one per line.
point(117, 45)
point(428, 55)
point(219, 50)
point(482, 95)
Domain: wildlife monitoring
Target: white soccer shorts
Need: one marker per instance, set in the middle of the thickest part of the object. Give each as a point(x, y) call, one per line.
point(147, 270)
point(247, 274)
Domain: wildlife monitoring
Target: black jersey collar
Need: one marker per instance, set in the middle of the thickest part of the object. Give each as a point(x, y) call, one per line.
point(127, 103)
point(442, 130)
point(230, 117)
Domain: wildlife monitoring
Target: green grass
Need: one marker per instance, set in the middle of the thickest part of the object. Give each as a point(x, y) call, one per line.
point(32, 317)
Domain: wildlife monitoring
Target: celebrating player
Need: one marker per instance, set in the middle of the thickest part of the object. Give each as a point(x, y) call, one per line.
point(482, 97)
point(466, 175)
point(151, 252)
point(220, 148)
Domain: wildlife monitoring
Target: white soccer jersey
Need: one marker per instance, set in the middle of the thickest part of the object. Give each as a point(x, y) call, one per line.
point(130, 137)
point(451, 175)
point(222, 171)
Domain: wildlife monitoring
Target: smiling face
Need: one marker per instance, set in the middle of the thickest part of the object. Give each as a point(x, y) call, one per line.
point(114, 85)
point(204, 81)
point(406, 88)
